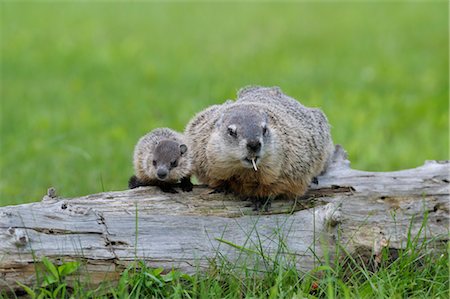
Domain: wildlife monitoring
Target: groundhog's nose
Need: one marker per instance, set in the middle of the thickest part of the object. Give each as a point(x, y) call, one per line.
point(254, 145)
point(162, 173)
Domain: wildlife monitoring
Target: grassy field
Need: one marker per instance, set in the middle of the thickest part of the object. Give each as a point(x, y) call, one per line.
point(81, 82)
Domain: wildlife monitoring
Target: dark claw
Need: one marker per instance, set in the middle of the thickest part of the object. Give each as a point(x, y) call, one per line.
point(134, 182)
point(259, 203)
point(186, 184)
point(168, 189)
point(187, 188)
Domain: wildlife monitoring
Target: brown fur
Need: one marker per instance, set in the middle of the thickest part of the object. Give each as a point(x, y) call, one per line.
point(162, 145)
point(296, 147)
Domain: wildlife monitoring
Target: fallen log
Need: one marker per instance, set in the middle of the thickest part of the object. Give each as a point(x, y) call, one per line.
point(189, 231)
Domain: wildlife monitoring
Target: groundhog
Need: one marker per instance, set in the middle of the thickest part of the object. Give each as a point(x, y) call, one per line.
point(263, 145)
point(161, 159)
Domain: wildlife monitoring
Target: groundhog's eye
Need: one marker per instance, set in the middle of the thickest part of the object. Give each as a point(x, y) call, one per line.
point(154, 162)
point(264, 130)
point(174, 164)
point(232, 131)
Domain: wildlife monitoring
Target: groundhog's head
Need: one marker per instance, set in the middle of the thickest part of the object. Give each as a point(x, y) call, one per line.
point(245, 136)
point(167, 157)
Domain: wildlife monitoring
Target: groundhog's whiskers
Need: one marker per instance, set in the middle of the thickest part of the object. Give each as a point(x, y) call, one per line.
point(254, 165)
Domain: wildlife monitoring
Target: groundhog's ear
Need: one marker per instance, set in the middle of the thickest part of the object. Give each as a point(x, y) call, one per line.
point(276, 91)
point(183, 148)
point(247, 89)
point(232, 130)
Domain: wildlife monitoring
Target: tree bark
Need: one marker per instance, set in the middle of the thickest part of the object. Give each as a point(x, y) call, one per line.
point(364, 211)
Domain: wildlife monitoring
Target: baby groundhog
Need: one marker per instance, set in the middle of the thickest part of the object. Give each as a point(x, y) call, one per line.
point(161, 159)
point(261, 146)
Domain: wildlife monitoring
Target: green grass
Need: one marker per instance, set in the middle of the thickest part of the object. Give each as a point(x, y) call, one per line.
point(81, 82)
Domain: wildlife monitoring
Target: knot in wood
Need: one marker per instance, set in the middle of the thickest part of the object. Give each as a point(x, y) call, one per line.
point(19, 236)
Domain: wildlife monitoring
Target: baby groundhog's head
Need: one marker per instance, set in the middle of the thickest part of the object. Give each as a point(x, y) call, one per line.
point(245, 135)
point(166, 158)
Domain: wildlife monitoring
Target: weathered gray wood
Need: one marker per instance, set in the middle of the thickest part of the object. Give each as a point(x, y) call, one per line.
point(110, 230)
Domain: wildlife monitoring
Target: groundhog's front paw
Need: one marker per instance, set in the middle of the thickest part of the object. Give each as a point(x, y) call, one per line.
point(134, 182)
point(168, 189)
point(186, 185)
point(261, 203)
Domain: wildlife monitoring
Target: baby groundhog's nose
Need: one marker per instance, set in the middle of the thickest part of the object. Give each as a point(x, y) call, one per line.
point(254, 145)
point(162, 173)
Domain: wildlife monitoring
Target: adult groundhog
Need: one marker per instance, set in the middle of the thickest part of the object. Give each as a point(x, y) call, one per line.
point(161, 159)
point(263, 145)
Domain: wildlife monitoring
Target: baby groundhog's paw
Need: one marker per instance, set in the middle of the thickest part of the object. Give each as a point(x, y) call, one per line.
point(134, 182)
point(186, 185)
point(187, 188)
point(168, 189)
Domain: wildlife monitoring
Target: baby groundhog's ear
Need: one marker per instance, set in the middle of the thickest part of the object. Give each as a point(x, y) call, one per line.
point(232, 130)
point(183, 148)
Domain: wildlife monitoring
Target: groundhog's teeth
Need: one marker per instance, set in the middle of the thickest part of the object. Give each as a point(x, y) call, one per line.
point(254, 165)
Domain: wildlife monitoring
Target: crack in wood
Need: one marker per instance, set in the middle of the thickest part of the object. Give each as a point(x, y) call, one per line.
point(329, 191)
point(56, 231)
point(116, 243)
point(105, 233)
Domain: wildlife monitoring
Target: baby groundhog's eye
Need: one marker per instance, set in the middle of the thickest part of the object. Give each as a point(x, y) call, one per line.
point(154, 162)
point(264, 131)
point(174, 164)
